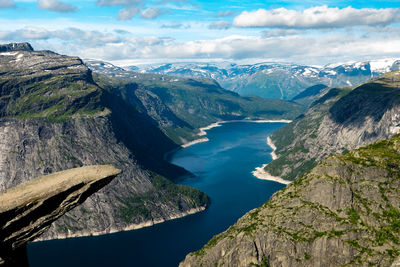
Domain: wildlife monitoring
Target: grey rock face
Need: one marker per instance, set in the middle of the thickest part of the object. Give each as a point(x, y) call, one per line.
point(340, 120)
point(53, 117)
point(345, 212)
point(16, 47)
point(33, 147)
point(28, 209)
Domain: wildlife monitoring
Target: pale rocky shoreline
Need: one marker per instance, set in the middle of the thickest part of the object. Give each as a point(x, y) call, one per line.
point(128, 228)
point(218, 124)
point(260, 172)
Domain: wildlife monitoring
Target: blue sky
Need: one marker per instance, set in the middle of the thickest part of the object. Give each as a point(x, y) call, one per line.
point(128, 32)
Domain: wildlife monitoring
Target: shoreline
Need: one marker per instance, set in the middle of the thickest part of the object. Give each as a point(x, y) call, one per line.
point(262, 174)
point(218, 124)
point(273, 154)
point(191, 143)
point(113, 230)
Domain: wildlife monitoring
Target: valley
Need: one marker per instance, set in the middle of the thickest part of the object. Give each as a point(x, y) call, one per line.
point(239, 144)
point(59, 112)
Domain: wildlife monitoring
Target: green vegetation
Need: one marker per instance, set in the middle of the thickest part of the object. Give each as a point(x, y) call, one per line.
point(54, 99)
point(164, 192)
point(189, 104)
point(294, 141)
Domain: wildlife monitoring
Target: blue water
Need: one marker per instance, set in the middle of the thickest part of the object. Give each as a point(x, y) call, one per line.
point(223, 170)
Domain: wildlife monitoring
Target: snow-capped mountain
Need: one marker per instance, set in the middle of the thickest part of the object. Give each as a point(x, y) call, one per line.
point(275, 80)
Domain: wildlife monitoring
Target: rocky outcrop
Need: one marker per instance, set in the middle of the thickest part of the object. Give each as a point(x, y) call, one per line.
point(53, 117)
point(34, 147)
point(345, 212)
point(46, 84)
point(16, 47)
point(28, 209)
point(342, 119)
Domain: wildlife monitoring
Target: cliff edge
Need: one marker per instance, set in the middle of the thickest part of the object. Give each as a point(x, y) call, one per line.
point(28, 209)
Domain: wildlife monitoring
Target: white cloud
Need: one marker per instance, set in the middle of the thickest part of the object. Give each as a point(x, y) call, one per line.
point(56, 5)
point(7, 4)
point(150, 13)
point(282, 45)
point(128, 13)
point(134, 7)
point(225, 14)
point(175, 25)
point(70, 35)
point(219, 25)
point(119, 2)
point(317, 17)
point(33, 33)
point(281, 32)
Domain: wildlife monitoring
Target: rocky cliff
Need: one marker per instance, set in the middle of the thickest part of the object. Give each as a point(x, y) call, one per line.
point(28, 209)
point(53, 116)
point(345, 212)
point(341, 119)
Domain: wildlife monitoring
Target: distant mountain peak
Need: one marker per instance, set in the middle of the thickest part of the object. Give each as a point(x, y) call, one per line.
point(275, 79)
point(15, 47)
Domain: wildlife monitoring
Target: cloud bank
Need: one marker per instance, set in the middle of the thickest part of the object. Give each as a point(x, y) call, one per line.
point(276, 46)
point(317, 18)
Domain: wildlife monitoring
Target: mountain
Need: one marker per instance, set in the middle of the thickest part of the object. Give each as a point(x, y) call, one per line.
point(181, 105)
point(276, 80)
point(308, 96)
point(340, 120)
point(54, 116)
point(342, 209)
point(57, 114)
point(344, 212)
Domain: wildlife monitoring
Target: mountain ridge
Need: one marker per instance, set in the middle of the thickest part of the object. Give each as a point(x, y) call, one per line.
point(273, 79)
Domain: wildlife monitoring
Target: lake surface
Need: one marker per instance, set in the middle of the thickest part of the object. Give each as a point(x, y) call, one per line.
point(223, 170)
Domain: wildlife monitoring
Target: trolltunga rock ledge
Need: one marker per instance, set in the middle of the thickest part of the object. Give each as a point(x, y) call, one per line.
point(28, 209)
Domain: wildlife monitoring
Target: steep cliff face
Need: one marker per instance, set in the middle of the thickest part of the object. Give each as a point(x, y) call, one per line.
point(340, 120)
point(28, 209)
point(34, 147)
point(54, 117)
point(345, 212)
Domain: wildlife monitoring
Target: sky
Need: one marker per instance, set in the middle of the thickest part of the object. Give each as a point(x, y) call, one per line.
point(134, 32)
